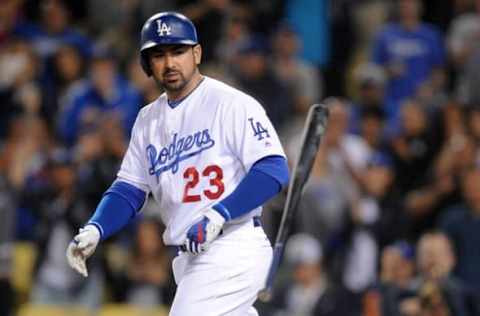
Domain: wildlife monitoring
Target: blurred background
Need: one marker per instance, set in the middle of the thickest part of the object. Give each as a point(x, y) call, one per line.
point(390, 219)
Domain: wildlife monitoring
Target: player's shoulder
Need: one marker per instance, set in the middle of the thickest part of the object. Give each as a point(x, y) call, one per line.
point(229, 95)
point(147, 111)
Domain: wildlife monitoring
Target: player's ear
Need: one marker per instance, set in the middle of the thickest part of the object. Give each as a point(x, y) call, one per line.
point(197, 53)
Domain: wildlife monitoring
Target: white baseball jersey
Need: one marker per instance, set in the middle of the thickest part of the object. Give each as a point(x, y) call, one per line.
point(195, 154)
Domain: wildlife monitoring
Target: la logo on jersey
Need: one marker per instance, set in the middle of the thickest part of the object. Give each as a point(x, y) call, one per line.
point(163, 29)
point(258, 129)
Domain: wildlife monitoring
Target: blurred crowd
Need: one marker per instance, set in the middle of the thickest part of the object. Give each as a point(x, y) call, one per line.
point(389, 223)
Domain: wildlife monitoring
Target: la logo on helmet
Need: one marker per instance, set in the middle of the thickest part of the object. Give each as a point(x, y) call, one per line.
point(163, 29)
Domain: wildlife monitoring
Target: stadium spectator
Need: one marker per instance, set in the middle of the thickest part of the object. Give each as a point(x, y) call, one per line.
point(461, 224)
point(20, 92)
point(54, 30)
point(27, 137)
point(301, 78)
point(415, 146)
point(207, 15)
point(116, 24)
point(369, 82)
point(467, 89)
point(236, 33)
point(98, 153)
point(412, 54)
point(435, 261)
point(381, 205)
point(10, 11)
point(331, 188)
point(375, 219)
point(68, 73)
point(396, 276)
point(309, 291)
point(372, 128)
point(253, 74)
point(149, 282)
point(106, 91)
point(463, 38)
point(440, 189)
point(54, 197)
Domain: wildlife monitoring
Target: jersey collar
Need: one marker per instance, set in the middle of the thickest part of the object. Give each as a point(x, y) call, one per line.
point(174, 103)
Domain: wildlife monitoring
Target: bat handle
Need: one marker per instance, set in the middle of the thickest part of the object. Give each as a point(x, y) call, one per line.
point(266, 293)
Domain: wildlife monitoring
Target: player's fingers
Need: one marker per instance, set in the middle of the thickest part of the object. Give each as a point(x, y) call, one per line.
point(76, 260)
point(83, 268)
point(193, 249)
point(187, 245)
point(80, 266)
point(82, 243)
point(78, 248)
point(75, 264)
point(71, 254)
point(198, 248)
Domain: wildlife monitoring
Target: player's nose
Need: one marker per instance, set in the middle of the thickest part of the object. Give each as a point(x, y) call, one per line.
point(168, 60)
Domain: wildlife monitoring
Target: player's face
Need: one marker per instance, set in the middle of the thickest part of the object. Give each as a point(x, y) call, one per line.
point(173, 66)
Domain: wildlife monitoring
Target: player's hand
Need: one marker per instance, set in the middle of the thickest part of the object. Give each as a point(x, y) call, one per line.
point(82, 247)
point(203, 232)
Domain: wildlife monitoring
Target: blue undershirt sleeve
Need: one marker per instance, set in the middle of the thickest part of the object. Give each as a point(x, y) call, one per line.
point(120, 203)
point(265, 179)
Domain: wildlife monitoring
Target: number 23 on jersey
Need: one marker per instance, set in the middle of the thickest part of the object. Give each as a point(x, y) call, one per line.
point(192, 176)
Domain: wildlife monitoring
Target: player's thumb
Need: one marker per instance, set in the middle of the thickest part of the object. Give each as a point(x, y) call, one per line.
point(71, 252)
point(83, 245)
point(82, 241)
point(89, 236)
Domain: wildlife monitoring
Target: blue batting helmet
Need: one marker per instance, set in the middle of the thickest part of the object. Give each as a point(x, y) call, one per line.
point(165, 28)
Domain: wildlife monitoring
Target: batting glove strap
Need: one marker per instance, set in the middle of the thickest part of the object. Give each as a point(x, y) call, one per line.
point(215, 217)
point(97, 226)
point(222, 210)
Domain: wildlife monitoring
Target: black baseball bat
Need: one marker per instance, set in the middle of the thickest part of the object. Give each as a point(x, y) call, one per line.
point(314, 129)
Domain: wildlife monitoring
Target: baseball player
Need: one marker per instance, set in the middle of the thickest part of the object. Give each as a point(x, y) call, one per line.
point(210, 157)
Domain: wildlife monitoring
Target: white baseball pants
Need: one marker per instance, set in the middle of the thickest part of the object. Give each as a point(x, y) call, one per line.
point(224, 280)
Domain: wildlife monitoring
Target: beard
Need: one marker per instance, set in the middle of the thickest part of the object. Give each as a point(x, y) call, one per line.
point(170, 85)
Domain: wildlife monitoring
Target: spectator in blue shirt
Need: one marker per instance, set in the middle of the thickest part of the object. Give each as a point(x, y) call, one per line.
point(53, 31)
point(412, 54)
point(105, 91)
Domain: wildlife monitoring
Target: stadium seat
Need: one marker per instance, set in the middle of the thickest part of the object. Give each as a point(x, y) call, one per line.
point(51, 310)
point(129, 310)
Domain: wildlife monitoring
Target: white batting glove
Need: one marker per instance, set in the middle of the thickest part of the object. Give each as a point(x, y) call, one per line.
point(82, 247)
point(203, 232)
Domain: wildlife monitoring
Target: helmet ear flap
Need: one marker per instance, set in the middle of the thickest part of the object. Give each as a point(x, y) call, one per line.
point(145, 63)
